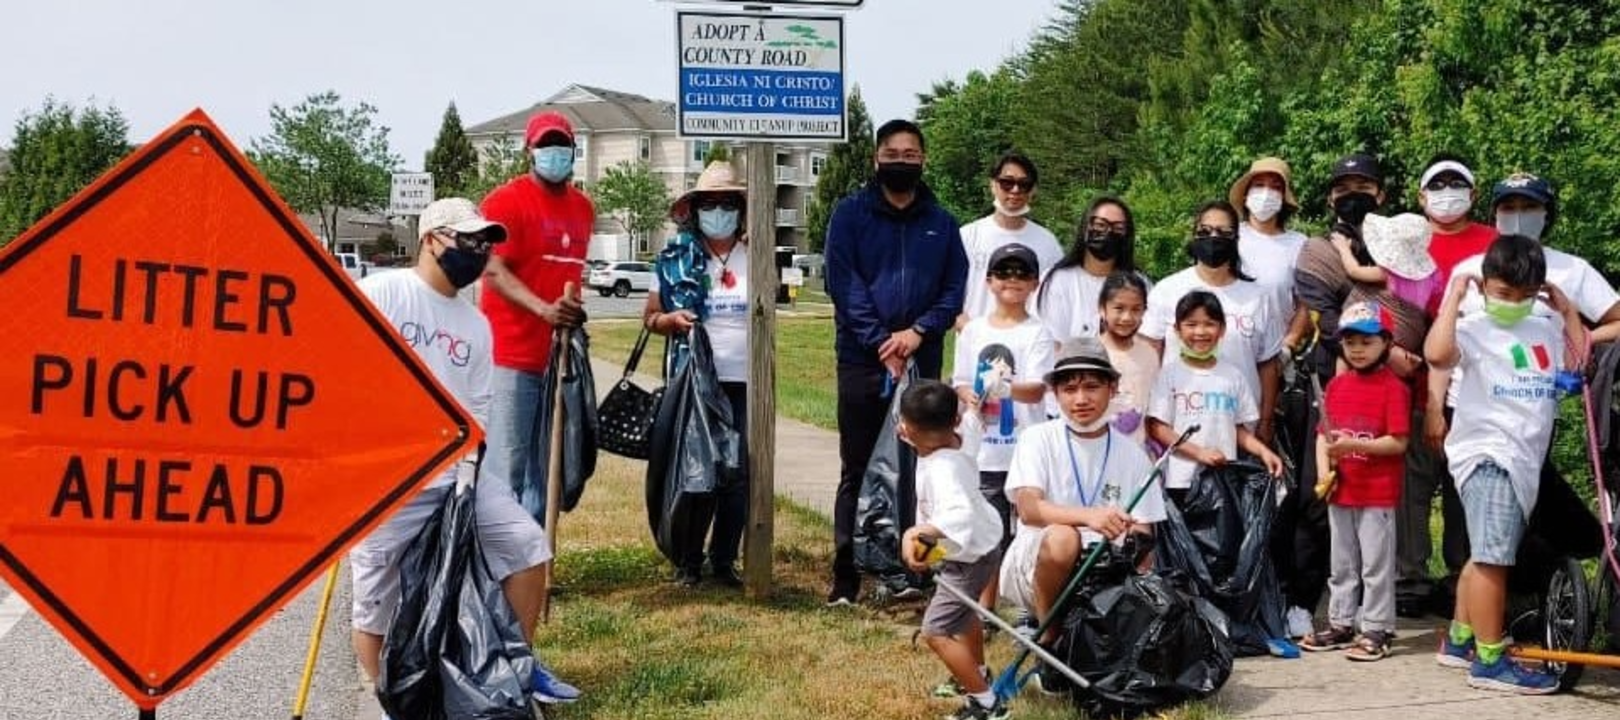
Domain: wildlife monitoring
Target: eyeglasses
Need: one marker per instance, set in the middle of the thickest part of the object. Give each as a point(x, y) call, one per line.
point(910, 156)
point(1010, 184)
point(1100, 225)
point(1220, 232)
point(477, 242)
point(1455, 183)
point(722, 203)
point(1011, 272)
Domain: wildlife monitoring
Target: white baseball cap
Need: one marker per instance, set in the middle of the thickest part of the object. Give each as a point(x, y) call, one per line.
point(460, 215)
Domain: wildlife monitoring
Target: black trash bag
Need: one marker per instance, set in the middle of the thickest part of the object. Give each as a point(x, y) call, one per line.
point(579, 429)
point(1218, 538)
point(1144, 642)
point(888, 499)
point(454, 649)
point(696, 447)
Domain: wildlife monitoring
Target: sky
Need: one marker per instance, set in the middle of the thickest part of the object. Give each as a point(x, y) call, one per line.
point(157, 59)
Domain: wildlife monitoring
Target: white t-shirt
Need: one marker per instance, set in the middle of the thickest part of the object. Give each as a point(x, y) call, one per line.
point(1028, 350)
point(1138, 370)
point(1508, 399)
point(980, 238)
point(1072, 306)
point(1212, 398)
point(948, 498)
point(450, 335)
point(1270, 260)
point(727, 311)
point(1111, 469)
point(1254, 325)
point(1583, 285)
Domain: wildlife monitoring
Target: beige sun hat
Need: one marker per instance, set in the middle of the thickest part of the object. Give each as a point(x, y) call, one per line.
point(718, 177)
point(1399, 244)
point(1274, 165)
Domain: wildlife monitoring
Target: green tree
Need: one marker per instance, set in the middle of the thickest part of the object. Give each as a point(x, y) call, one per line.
point(967, 126)
point(718, 152)
point(848, 166)
point(55, 152)
point(634, 197)
point(322, 157)
point(453, 161)
point(499, 161)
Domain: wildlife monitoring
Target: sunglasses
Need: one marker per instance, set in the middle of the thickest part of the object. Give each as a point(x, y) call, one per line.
point(723, 203)
point(1455, 183)
point(1011, 272)
point(1009, 184)
point(470, 242)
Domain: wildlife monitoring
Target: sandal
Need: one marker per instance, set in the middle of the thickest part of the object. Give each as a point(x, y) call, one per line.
point(1333, 638)
point(1372, 646)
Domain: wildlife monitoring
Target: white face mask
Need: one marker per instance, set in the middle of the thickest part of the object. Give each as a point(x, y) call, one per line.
point(1087, 428)
point(1005, 211)
point(1529, 223)
point(1263, 203)
point(1448, 205)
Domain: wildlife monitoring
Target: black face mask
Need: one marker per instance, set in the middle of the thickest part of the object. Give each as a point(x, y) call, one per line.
point(1104, 246)
point(462, 267)
point(899, 177)
point(1352, 208)
point(1214, 250)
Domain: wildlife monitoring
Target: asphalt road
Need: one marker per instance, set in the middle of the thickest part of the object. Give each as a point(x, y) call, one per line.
point(44, 678)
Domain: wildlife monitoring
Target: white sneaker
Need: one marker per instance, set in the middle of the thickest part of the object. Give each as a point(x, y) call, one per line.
point(1299, 622)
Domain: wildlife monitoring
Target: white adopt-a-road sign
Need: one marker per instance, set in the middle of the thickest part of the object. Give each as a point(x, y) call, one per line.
point(410, 194)
point(757, 76)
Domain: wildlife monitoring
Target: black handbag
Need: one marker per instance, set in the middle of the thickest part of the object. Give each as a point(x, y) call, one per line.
point(626, 415)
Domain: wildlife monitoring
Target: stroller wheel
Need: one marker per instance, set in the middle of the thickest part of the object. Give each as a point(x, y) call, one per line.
point(1567, 615)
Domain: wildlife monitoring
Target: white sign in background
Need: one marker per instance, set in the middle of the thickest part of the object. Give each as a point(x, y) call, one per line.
point(410, 193)
point(761, 76)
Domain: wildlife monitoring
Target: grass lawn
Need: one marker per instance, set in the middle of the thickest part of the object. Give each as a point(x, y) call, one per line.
point(806, 370)
point(643, 648)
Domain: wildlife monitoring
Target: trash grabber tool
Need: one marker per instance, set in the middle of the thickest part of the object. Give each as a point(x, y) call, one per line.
point(1008, 683)
point(994, 619)
point(554, 470)
point(302, 699)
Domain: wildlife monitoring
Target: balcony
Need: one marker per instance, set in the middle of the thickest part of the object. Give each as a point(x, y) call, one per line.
point(787, 217)
point(787, 175)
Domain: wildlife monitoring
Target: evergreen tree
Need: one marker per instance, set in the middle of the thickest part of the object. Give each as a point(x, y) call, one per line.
point(718, 152)
point(452, 160)
point(849, 165)
point(55, 152)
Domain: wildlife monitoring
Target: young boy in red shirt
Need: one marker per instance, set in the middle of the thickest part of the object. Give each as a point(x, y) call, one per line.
point(1366, 418)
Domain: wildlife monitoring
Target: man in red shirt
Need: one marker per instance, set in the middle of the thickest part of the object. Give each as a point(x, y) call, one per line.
point(1447, 193)
point(548, 223)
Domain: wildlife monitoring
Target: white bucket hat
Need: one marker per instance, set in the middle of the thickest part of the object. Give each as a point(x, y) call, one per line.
point(1399, 244)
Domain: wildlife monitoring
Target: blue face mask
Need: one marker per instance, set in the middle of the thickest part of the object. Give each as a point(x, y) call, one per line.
point(718, 223)
point(554, 163)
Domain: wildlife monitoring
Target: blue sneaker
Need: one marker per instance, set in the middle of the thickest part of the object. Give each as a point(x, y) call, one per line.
point(1506, 675)
point(548, 689)
point(1452, 655)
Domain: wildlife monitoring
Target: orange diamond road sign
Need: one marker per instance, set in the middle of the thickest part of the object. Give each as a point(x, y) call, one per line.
point(198, 412)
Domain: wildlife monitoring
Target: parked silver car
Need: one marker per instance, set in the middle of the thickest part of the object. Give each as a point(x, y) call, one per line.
point(620, 278)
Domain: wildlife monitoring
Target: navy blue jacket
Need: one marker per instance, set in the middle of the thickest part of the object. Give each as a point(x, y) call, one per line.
point(889, 269)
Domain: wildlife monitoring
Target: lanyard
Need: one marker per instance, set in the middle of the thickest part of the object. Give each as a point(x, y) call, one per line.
point(1074, 465)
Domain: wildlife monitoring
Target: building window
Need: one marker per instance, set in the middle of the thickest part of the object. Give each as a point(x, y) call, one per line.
point(644, 148)
point(700, 150)
point(580, 141)
point(817, 164)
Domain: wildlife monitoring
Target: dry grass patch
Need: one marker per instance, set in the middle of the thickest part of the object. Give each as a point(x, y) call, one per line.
point(642, 648)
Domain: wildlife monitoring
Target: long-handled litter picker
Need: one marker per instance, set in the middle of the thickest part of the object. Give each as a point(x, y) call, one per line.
point(554, 471)
point(1009, 682)
point(304, 682)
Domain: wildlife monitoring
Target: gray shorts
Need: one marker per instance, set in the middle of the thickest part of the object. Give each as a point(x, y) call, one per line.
point(1495, 519)
point(512, 542)
point(947, 615)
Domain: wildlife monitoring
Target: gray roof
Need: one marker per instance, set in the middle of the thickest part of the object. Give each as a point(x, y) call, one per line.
point(590, 109)
point(357, 226)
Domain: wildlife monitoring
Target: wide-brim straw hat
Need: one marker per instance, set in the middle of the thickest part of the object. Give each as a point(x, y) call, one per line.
point(718, 177)
point(1274, 165)
point(1399, 244)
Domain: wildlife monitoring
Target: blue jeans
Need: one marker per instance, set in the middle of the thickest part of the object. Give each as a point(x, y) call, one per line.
point(512, 452)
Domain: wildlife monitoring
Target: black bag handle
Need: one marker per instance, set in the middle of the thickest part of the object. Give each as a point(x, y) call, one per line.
point(635, 355)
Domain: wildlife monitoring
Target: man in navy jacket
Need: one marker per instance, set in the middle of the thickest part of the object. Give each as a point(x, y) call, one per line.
point(895, 272)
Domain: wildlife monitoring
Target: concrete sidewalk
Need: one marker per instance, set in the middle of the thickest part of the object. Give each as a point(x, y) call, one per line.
point(1408, 684)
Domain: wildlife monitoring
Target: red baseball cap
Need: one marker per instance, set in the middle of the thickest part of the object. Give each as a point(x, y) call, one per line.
point(547, 122)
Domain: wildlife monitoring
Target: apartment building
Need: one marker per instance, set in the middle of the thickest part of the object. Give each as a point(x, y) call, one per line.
point(613, 127)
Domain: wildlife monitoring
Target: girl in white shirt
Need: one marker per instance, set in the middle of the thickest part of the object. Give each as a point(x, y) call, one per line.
point(1123, 302)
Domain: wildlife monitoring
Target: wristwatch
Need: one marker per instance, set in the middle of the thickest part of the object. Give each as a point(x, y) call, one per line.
point(918, 328)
